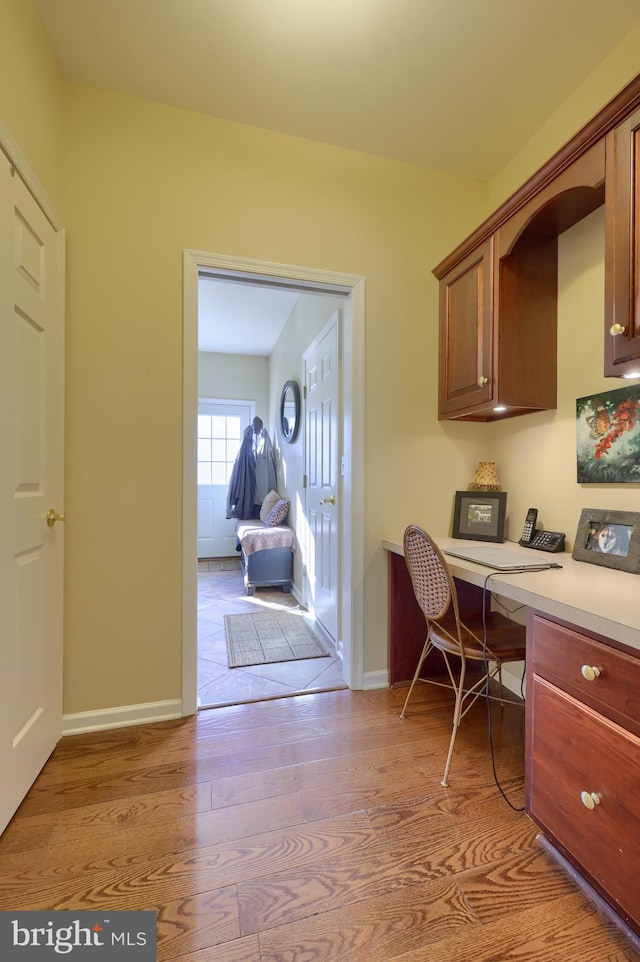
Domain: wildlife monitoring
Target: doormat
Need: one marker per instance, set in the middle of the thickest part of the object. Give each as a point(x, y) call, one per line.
point(264, 637)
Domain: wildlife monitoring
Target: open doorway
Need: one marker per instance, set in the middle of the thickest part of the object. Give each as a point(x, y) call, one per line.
point(222, 592)
point(302, 282)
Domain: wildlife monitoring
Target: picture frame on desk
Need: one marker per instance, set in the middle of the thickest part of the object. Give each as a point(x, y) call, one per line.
point(480, 515)
point(609, 538)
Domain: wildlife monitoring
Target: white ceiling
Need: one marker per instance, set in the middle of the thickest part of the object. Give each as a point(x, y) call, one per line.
point(453, 85)
point(236, 318)
point(456, 85)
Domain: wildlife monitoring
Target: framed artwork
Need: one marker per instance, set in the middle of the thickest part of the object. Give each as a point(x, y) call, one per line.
point(480, 515)
point(608, 436)
point(609, 538)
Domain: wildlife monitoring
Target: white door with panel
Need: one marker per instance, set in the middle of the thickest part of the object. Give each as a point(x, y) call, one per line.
point(322, 491)
point(31, 486)
point(221, 425)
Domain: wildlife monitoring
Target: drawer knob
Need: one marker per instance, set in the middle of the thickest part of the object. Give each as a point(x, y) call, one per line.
point(590, 799)
point(590, 672)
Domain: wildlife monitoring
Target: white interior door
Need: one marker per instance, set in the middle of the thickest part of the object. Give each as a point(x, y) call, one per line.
point(221, 425)
point(322, 494)
point(31, 483)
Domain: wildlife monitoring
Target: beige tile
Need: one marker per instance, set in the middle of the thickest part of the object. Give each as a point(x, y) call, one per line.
point(220, 592)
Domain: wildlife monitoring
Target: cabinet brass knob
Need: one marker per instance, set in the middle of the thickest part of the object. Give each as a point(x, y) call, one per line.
point(616, 329)
point(482, 380)
point(590, 799)
point(53, 516)
point(590, 672)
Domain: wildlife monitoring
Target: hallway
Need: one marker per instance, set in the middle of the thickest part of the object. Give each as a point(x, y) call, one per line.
point(221, 592)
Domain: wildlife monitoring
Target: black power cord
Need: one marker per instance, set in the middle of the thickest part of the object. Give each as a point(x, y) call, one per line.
point(491, 574)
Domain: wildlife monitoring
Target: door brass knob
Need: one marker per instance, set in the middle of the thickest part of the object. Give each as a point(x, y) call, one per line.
point(330, 500)
point(53, 516)
point(616, 329)
point(482, 380)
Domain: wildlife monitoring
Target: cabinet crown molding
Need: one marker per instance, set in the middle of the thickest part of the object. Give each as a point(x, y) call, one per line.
point(613, 113)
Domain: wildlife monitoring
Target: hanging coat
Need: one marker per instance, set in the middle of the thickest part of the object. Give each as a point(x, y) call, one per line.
point(242, 484)
point(265, 467)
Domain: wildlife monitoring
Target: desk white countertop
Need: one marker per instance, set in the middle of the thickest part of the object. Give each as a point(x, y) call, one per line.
point(600, 599)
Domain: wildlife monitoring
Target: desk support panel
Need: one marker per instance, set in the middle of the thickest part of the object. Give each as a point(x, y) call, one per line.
point(407, 628)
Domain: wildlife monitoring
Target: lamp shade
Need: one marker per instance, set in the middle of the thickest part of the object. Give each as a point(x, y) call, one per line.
point(486, 478)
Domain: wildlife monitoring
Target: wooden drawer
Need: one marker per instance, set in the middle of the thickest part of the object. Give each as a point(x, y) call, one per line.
point(573, 749)
point(559, 654)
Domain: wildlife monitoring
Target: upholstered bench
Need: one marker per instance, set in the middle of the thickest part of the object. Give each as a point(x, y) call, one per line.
point(267, 555)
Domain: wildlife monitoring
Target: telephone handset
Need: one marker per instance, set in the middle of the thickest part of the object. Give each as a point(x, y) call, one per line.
point(541, 540)
point(529, 526)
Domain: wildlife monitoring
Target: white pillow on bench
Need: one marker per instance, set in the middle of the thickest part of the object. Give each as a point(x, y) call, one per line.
point(270, 501)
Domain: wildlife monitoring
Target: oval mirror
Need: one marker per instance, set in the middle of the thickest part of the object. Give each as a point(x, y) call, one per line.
point(290, 411)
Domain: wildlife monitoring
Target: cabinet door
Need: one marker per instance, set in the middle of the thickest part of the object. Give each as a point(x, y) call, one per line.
point(622, 306)
point(466, 333)
point(579, 758)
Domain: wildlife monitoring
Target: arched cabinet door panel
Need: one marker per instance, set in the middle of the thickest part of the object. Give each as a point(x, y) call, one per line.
point(499, 302)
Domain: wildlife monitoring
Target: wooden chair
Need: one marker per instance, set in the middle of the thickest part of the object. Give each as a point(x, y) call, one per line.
point(492, 640)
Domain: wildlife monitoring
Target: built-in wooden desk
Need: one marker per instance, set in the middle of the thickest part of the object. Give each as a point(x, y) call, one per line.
point(582, 754)
point(600, 600)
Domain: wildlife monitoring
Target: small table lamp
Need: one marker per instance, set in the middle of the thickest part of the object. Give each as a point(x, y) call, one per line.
point(486, 478)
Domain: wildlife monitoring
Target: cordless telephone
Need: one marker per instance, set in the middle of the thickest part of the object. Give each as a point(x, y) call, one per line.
point(529, 526)
point(542, 540)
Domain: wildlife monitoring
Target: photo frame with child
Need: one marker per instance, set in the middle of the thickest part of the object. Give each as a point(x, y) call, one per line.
point(609, 538)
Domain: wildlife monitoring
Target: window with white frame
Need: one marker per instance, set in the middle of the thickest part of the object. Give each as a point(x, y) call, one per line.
point(219, 439)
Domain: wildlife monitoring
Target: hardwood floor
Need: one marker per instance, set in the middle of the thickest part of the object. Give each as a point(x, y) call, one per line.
point(307, 829)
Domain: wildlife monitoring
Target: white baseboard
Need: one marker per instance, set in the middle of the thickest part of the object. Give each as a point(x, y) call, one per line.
point(95, 721)
point(375, 679)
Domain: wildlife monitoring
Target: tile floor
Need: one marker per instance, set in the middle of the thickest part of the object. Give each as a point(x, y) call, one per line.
point(221, 591)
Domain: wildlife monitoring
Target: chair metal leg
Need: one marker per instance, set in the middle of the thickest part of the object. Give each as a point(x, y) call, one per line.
point(425, 652)
point(457, 713)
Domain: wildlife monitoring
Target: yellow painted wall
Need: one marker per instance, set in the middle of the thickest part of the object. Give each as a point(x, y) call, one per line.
point(136, 183)
point(611, 75)
point(30, 92)
point(536, 454)
point(143, 182)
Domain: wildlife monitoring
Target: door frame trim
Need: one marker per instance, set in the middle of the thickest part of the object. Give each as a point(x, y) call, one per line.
point(352, 391)
point(18, 161)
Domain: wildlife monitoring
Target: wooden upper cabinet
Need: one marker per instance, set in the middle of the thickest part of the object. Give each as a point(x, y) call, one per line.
point(466, 334)
point(622, 246)
point(498, 303)
point(498, 289)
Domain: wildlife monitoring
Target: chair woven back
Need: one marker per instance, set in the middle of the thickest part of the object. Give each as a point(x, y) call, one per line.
point(430, 577)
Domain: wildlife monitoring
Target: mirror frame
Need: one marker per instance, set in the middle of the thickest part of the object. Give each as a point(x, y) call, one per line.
point(289, 434)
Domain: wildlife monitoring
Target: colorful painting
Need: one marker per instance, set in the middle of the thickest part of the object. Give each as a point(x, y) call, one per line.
point(608, 436)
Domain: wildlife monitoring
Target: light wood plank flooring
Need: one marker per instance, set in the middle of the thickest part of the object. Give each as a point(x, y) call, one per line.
point(307, 829)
